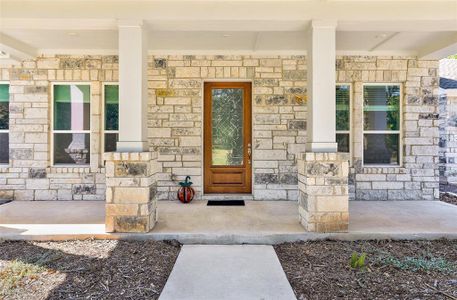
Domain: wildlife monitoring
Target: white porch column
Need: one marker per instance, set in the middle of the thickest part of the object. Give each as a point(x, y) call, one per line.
point(133, 91)
point(131, 187)
point(323, 201)
point(321, 87)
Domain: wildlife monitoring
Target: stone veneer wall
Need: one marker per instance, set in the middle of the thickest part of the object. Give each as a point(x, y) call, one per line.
point(448, 140)
point(175, 124)
point(29, 175)
point(418, 177)
point(279, 125)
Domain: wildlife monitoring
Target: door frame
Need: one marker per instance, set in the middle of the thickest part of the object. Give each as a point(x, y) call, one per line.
point(202, 113)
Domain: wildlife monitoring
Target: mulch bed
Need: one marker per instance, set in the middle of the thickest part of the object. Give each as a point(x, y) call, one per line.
point(90, 269)
point(393, 269)
point(448, 198)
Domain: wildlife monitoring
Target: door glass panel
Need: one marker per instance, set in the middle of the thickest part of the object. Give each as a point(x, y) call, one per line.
point(227, 127)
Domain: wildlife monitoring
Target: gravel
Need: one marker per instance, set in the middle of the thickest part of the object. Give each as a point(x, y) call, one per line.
point(393, 269)
point(89, 269)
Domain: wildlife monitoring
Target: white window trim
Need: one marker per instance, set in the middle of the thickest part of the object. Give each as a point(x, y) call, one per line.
point(399, 131)
point(7, 130)
point(68, 131)
point(350, 131)
point(103, 131)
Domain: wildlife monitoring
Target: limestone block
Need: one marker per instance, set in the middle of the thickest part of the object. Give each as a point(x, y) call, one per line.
point(26, 195)
point(186, 72)
point(269, 155)
point(48, 63)
point(131, 169)
point(137, 195)
point(122, 209)
point(37, 184)
point(6, 194)
point(45, 195)
point(130, 224)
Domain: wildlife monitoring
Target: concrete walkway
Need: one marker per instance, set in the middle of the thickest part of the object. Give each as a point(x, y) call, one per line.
point(227, 272)
point(259, 222)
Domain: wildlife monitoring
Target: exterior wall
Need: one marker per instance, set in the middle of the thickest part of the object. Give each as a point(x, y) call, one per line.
point(279, 125)
point(417, 178)
point(175, 124)
point(448, 140)
point(29, 175)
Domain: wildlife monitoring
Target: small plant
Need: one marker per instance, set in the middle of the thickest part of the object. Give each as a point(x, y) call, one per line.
point(358, 261)
point(422, 263)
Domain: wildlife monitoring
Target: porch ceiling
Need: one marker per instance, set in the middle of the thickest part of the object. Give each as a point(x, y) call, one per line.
point(425, 28)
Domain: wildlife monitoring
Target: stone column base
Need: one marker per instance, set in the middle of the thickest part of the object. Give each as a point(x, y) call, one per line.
point(131, 202)
point(323, 191)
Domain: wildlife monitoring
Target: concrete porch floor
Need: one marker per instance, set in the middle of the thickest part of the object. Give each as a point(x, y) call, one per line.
point(259, 222)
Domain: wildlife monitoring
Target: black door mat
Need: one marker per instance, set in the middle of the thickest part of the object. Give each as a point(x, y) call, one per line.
point(225, 203)
point(4, 201)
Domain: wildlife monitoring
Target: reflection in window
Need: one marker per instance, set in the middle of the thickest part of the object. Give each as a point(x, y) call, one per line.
point(343, 117)
point(227, 127)
point(4, 123)
point(381, 124)
point(111, 117)
point(71, 124)
point(381, 149)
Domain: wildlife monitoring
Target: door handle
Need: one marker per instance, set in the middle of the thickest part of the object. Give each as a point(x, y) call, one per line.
point(249, 153)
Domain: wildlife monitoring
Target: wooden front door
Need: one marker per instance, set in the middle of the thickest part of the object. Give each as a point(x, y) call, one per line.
point(227, 137)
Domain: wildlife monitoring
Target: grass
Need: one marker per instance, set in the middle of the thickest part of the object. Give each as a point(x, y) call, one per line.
point(17, 273)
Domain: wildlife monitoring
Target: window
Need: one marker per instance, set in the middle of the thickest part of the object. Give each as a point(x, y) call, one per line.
point(4, 123)
point(71, 126)
point(111, 121)
point(343, 117)
point(381, 124)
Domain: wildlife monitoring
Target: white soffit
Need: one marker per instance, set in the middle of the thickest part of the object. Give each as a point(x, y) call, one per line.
point(78, 41)
point(384, 27)
point(66, 39)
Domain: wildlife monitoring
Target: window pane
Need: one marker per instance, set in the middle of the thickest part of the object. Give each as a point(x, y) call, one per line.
point(71, 107)
point(343, 142)
point(111, 107)
point(112, 93)
point(4, 147)
point(227, 127)
point(110, 142)
point(342, 107)
point(4, 92)
point(381, 149)
point(71, 148)
point(4, 115)
point(4, 106)
point(381, 110)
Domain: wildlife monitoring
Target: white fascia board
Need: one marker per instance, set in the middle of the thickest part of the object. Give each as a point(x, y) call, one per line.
point(383, 12)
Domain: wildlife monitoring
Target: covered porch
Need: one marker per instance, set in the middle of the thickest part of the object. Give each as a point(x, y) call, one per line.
point(291, 56)
point(259, 222)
